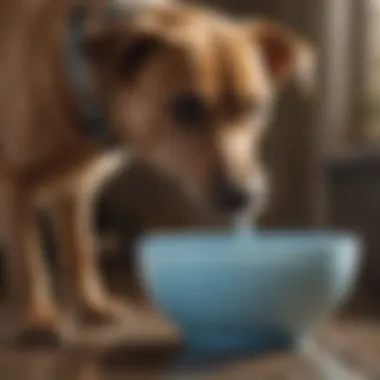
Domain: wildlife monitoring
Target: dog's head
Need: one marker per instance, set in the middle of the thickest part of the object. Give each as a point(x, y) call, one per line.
point(191, 91)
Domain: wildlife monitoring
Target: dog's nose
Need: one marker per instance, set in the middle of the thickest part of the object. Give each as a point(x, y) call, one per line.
point(230, 197)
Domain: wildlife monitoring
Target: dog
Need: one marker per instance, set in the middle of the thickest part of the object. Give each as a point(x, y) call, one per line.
point(184, 88)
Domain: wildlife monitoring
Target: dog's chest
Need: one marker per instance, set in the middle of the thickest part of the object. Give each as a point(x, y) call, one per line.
point(102, 168)
point(88, 177)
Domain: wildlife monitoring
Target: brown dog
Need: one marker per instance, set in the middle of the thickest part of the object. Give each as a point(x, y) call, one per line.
point(188, 90)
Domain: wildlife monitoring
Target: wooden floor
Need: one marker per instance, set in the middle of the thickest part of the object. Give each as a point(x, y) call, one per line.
point(73, 366)
point(147, 347)
point(343, 350)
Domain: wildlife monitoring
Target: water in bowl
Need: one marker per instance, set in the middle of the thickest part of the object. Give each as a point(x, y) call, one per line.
point(244, 224)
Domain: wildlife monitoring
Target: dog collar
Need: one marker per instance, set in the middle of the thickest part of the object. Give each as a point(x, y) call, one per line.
point(94, 123)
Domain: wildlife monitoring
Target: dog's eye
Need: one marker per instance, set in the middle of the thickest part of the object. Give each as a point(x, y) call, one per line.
point(188, 110)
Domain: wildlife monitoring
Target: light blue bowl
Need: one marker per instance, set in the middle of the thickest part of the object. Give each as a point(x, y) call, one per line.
point(258, 291)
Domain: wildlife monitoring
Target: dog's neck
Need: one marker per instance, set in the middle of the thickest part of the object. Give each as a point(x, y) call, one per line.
point(94, 121)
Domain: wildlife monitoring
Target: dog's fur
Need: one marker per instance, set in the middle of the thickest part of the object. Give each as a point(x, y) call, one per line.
point(142, 65)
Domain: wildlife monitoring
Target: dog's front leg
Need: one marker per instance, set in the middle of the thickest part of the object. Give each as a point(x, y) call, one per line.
point(29, 281)
point(74, 222)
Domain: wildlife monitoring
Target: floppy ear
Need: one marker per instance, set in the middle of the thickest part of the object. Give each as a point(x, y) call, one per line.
point(120, 50)
point(286, 55)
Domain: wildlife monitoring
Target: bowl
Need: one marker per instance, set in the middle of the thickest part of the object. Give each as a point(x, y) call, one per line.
point(254, 291)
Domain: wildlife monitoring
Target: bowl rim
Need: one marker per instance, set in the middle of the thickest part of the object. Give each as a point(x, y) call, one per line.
point(191, 235)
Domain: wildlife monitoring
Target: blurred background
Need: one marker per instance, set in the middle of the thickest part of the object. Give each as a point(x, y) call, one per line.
point(323, 154)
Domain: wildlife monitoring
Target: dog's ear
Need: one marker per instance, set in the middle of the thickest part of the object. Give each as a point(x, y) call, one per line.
point(120, 49)
point(286, 55)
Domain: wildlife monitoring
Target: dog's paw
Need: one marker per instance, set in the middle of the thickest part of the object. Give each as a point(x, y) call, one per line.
point(38, 336)
point(104, 311)
point(39, 333)
point(40, 328)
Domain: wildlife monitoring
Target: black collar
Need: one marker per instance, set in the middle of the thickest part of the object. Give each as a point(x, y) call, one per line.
point(94, 123)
